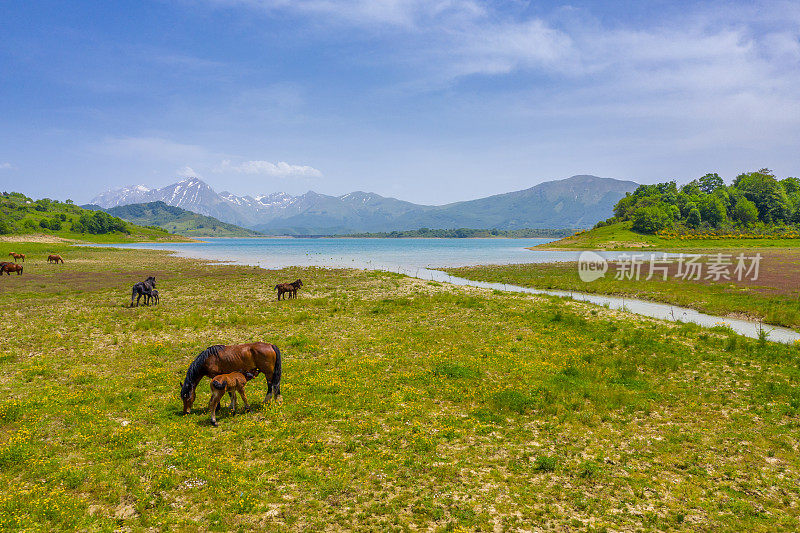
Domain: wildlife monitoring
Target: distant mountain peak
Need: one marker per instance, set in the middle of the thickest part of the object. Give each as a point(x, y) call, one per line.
point(575, 202)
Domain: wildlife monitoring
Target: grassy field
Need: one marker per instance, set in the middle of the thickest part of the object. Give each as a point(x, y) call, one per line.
point(407, 405)
point(774, 297)
point(620, 237)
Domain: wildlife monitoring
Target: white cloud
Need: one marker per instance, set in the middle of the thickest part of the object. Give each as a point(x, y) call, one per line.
point(444, 40)
point(6, 166)
point(153, 148)
point(399, 13)
point(280, 169)
point(187, 172)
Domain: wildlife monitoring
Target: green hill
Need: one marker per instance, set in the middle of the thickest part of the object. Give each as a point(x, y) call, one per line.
point(177, 220)
point(757, 209)
point(20, 215)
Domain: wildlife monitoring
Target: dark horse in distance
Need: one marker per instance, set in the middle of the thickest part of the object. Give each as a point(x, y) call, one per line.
point(291, 288)
point(218, 359)
point(143, 288)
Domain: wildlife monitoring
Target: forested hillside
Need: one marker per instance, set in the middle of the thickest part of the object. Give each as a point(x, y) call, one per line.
point(755, 202)
point(22, 215)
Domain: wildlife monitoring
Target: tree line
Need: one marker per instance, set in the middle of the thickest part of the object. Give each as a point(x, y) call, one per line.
point(754, 199)
point(464, 233)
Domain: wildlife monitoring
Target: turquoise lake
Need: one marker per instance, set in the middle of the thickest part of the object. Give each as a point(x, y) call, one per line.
point(382, 254)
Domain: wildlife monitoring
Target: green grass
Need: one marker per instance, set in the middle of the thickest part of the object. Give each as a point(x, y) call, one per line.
point(770, 300)
point(619, 236)
point(406, 406)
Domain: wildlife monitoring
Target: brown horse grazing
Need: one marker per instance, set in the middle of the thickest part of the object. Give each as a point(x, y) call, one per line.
point(8, 268)
point(218, 359)
point(54, 259)
point(291, 288)
point(17, 256)
point(230, 383)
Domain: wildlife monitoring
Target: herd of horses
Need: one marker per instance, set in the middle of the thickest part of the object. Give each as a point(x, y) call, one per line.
point(8, 267)
point(228, 367)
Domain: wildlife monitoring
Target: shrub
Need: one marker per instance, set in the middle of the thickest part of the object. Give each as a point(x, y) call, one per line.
point(744, 211)
point(544, 463)
point(693, 219)
point(649, 219)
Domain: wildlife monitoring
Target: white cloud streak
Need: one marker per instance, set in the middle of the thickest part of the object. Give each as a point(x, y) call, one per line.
point(152, 148)
point(280, 169)
point(6, 166)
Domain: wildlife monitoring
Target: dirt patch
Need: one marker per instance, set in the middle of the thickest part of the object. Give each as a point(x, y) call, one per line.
point(38, 237)
point(60, 282)
point(778, 272)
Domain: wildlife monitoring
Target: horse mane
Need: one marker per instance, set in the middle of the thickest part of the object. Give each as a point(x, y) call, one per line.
point(196, 371)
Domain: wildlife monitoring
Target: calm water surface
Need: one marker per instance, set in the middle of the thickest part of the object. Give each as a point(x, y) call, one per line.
point(382, 254)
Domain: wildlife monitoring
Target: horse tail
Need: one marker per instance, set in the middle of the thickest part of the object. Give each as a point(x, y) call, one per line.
point(275, 287)
point(217, 384)
point(275, 382)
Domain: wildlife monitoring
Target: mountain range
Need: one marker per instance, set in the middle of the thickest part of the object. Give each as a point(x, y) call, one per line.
point(576, 202)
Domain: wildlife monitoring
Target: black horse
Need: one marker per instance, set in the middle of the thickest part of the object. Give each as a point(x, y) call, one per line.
point(153, 298)
point(143, 288)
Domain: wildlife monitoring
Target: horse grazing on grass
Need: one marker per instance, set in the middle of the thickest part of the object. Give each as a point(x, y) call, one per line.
point(143, 288)
point(218, 359)
point(17, 256)
point(291, 288)
point(153, 297)
point(230, 383)
point(52, 258)
point(8, 268)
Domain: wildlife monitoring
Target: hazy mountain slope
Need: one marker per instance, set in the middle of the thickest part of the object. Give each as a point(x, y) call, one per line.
point(178, 220)
point(576, 202)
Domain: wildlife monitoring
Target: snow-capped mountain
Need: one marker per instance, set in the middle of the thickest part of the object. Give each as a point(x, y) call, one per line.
point(575, 202)
point(133, 194)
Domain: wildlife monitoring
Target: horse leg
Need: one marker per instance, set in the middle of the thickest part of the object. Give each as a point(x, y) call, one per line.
point(276, 394)
point(261, 364)
point(244, 399)
point(232, 395)
point(212, 406)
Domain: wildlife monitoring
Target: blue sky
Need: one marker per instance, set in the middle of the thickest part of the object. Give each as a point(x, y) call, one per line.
point(429, 101)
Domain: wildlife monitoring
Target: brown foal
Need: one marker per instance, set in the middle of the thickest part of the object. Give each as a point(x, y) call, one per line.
point(231, 383)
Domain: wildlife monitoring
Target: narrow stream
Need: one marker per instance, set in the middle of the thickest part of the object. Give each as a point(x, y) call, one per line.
point(748, 328)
